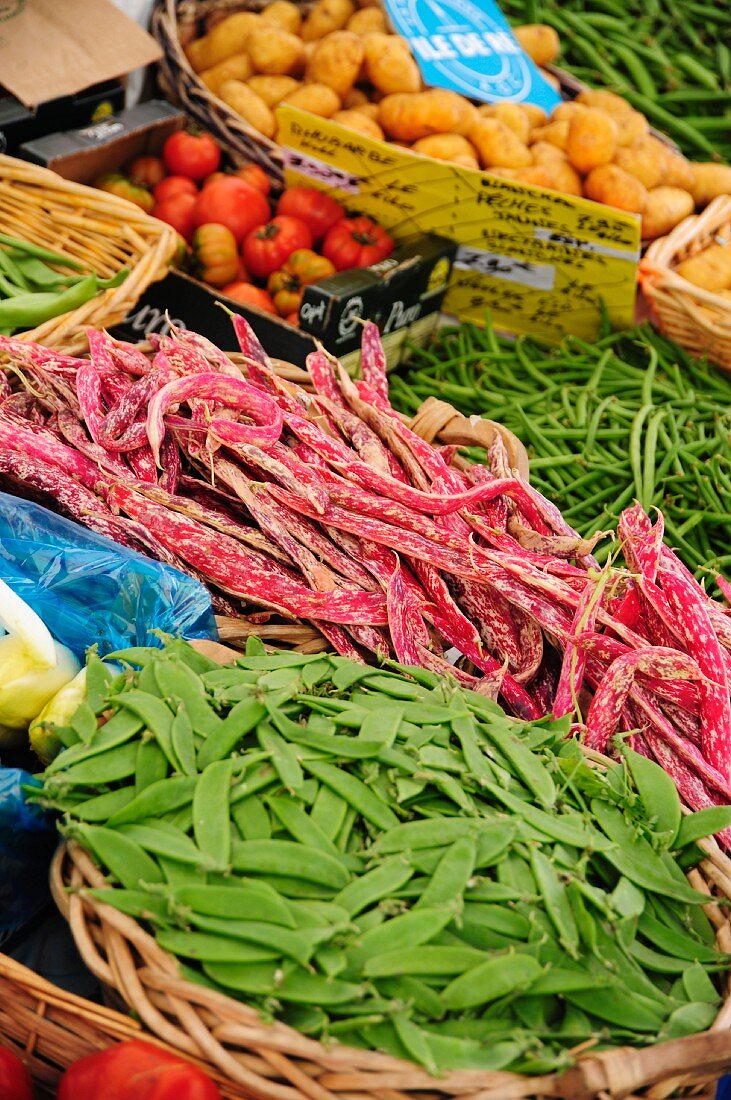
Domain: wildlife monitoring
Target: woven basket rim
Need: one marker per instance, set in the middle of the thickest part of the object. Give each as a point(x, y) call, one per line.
point(107, 219)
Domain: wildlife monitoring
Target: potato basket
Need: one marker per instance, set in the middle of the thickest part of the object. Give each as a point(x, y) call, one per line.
point(697, 319)
point(101, 231)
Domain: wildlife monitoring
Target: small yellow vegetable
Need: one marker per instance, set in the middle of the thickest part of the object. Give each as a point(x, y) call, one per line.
point(512, 115)
point(238, 67)
point(642, 162)
point(555, 133)
point(227, 38)
point(411, 117)
point(539, 41)
point(362, 124)
point(274, 51)
point(319, 99)
point(388, 64)
point(249, 105)
point(631, 127)
point(367, 20)
point(615, 187)
point(664, 209)
point(709, 181)
point(592, 139)
point(450, 147)
point(327, 16)
point(57, 712)
point(336, 61)
point(710, 269)
point(356, 97)
point(273, 89)
point(497, 145)
point(545, 153)
point(284, 14)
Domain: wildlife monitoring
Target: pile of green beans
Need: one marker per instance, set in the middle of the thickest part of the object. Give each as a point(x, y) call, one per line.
point(379, 857)
point(670, 58)
point(629, 416)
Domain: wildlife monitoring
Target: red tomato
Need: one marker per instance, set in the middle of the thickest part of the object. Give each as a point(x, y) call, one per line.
point(191, 155)
point(293, 318)
point(14, 1077)
point(249, 295)
point(269, 246)
point(315, 208)
point(303, 268)
point(146, 172)
point(135, 1070)
point(356, 242)
point(116, 184)
point(232, 203)
point(179, 211)
point(213, 177)
point(174, 185)
point(255, 176)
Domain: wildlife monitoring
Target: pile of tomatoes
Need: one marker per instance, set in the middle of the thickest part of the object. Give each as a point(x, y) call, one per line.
point(256, 252)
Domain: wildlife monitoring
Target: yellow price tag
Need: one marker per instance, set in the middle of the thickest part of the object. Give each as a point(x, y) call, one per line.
point(540, 261)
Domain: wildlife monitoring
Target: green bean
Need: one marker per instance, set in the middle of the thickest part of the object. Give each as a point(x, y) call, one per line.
point(283, 857)
point(491, 980)
point(251, 819)
point(300, 825)
point(136, 903)
point(104, 806)
point(409, 930)
point(274, 938)
point(125, 859)
point(156, 799)
point(328, 811)
point(355, 793)
point(213, 948)
point(211, 812)
point(164, 839)
point(702, 823)
point(658, 793)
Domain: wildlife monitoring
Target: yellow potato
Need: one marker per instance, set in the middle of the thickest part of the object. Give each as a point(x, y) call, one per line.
point(238, 67)
point(274, 51)
point(372, 110)
point(356, 120)
point(631, 127)
point(326, 16)
point(336, 61)
point(664, 209)
point(545, 153)
point(567, 110)
point(411, 117)
point(451, 147)
point(319, 99)
point(539, 175)
point(539, 41)
point(614, 187)
point(592, 139)
point(284, 14)
point(367, 20)
point(709, 181)
point(642, 162)
point(504, 173)
point(388, 64)
point(249, 105)
point(555, 133)
point(497, 145)
point(227, 38)
point(604, 101)
point(273, 89)
point(709, 269)
point(565, 178)
point(536, 115)
point(356, 97)
point(511, 114)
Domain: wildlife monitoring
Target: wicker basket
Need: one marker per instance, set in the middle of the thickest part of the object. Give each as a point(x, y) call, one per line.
point(696, 319)
point(103, 232)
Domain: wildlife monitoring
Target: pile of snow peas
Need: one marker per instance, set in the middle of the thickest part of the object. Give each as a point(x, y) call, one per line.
point(630, 416)
point(379, 857)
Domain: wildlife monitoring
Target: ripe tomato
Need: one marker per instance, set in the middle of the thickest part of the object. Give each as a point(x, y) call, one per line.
point(356, 242)
point(174, 185)
point(303, 268)
point(255, 176)
point(116, 184)
point(191, 155)
point(215, 259)
point(315, 208)
point(135, 1070)
point(249, 295)
point(232, 203)
point(14, 1077)
point(146, 172)
point(293, 318)
point(268, 246)
point(179, 211)
point(213, 177)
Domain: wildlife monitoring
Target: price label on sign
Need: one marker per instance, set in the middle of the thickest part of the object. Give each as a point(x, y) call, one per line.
point(470, 49)
point(541, 262)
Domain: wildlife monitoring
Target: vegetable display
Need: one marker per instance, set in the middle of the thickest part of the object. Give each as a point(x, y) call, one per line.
point(629, 416)
point(378, 857)
point(34, 290)
point(672, 61)
point(327, 507)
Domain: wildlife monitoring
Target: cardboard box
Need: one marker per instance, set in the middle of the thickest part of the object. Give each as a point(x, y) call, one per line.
point(403, 295)
point(83, 155)
point(19, 123)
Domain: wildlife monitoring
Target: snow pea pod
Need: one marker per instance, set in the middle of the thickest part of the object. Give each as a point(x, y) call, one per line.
point(211, 812)
point(123, 857)
point(284, 857)
point(157, 799)
point(491, 980)
point(360, 797)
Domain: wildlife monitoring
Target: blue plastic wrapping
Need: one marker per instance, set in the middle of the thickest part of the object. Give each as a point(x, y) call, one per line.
point(27, 840)
point(88, 590)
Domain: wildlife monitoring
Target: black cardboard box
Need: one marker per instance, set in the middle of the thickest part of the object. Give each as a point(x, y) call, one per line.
point(19, 124)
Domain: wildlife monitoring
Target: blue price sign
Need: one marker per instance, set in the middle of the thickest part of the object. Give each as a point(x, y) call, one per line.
point(470, 48)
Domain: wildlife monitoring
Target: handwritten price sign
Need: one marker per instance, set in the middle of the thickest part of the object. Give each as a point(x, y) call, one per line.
point(540, 261)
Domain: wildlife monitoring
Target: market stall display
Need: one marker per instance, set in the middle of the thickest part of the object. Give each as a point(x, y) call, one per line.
point(98, 236)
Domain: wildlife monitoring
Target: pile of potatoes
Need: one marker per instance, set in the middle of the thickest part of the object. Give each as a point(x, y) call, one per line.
point(341, 62)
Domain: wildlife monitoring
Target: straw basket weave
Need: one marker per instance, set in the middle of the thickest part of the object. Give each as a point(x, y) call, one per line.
point(101, 231)
point(697, 319)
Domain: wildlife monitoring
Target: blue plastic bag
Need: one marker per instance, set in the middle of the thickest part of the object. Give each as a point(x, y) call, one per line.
point(27, 840)
point(88, 590)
